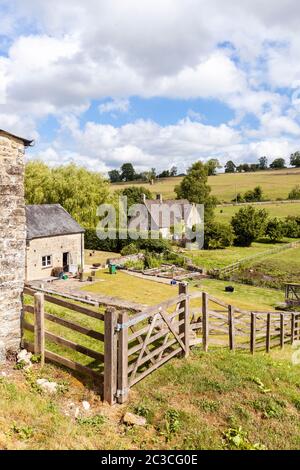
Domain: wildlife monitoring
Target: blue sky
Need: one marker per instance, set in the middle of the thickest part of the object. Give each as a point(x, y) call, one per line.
point(156, 83)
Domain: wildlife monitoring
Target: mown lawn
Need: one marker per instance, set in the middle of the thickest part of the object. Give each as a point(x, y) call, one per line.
point(244, 296)
point(92, 256)
point(275, 184)
point(131, 288)
point(218, 400)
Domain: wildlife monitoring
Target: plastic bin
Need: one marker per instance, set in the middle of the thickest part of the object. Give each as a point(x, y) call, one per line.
point(112, 269)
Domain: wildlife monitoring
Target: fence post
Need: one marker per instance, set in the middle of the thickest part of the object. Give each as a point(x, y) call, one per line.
point(122, 385)
point(39, 326)
point(231, 327)
point(205, 326)
point(110, 356)
point(268, 336)
point(282, 330)
point(292, 328)
point(253, 333)
point(185, 316)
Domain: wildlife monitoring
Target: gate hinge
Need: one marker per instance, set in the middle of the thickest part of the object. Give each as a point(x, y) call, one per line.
point(121, 393)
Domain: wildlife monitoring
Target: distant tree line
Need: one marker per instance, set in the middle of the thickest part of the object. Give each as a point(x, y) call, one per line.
point(262, 164)
point(127, 173)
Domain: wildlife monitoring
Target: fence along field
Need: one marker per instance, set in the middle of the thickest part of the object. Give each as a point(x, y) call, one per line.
point(130, 347)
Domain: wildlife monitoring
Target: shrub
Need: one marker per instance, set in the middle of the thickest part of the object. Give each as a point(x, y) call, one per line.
point(154, 245)
point(295, 193)
point(255, 195)
point(292, 227)
point(275, 230)
point(248, 225)
point(152, 261)
point(130, 249)
point(217, 235)
point(118, 239)
point(138, 265)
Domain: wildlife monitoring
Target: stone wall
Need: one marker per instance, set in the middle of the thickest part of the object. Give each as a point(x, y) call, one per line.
point(12, 241)
point(54, 247)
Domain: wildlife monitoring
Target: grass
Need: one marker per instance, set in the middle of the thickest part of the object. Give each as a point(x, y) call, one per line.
point(225, 213)
point(275, 184)
point(92, 256)
point(208, 401)
point(274, 270)
point(244, 296)
point(215, 259)
point(131, 288)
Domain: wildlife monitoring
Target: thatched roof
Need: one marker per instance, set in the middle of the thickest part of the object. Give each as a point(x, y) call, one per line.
point(49, 220)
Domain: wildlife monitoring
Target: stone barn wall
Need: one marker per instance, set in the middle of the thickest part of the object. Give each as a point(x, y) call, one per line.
point(12, 241)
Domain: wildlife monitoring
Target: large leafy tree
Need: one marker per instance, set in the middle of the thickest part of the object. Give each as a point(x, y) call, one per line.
point(194, 187)
point(295, 159)
point(263, 163)
point(127, 172)
point(230, 167)
point(278, 163)
point(212, 166)
point(134, 194)
point(249, 224)
point(78, 190)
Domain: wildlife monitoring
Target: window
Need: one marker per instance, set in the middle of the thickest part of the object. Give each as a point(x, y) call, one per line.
point(46, 261)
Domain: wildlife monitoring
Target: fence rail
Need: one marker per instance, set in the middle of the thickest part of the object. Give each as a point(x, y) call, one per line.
point(234, 266)
point(130, 347)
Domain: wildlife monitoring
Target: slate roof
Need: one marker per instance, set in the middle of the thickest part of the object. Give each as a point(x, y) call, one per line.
point(156, 215)
point(49, 220)
point(26, 142)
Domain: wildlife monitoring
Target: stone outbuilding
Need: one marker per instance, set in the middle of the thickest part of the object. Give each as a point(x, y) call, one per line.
point(12, 240)
point(54, 240)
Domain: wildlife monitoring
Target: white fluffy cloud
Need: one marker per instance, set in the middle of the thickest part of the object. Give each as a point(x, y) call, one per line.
point(60, 56)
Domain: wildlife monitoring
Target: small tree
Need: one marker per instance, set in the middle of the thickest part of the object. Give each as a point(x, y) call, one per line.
point(194, 188)
point(263, 163)
point(295, 192)
point(230, 167)
point(212, 166)
point(295, 159)
point(255, 195)
point(134, 194)
point(275, 230)
point(278, 163)
point(248, 224)
point(217, 235)
point(128, 172)
point(114, 176)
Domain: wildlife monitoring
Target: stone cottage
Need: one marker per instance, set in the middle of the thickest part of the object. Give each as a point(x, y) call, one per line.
point(54, 240)
point(12, 240)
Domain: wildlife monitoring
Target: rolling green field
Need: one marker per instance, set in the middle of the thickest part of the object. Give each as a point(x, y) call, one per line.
point(216, 259)
point(274, 270)
point(279, 210)
point(275, 184)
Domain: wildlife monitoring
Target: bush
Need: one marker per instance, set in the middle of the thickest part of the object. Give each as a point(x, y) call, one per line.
point(292, 227)
point(275, 230)
point(152, 261)
point(130, 249)
point(217, 235)
point(249, 224)
point(255, 195)
point(137, 265)
point(154, 245)
point(295, 193)
point(118, 239)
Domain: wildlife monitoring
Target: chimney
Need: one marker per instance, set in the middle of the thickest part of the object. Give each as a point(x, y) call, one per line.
point(159, 198)
point(144, 198)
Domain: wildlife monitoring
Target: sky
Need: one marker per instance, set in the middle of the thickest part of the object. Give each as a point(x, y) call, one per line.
point(154, 82)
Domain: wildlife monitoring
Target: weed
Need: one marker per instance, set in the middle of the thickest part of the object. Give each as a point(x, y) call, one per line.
point(172, 423)
point(208, 406)
point(261, 385)
point(238, 438)
point(144, 411)
point(270, 407)
point(94, 422)
point(23, 432)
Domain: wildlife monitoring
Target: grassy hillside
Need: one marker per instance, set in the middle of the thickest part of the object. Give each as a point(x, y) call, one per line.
point(280, 210)
point(275, 184)
point(274, 270)
point(218, 400)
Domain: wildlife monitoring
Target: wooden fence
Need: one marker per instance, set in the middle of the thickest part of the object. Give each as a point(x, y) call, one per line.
point(39, 315)
point(133, 346)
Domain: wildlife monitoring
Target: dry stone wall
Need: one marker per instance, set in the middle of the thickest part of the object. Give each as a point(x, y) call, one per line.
point(12, 242)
